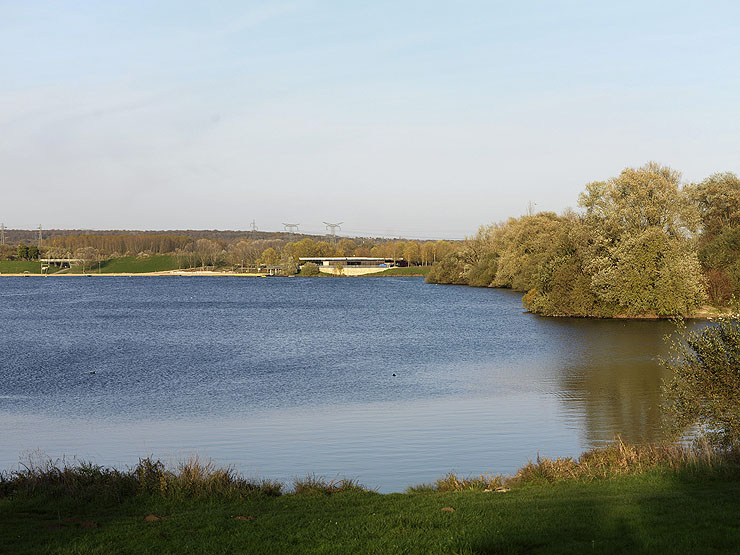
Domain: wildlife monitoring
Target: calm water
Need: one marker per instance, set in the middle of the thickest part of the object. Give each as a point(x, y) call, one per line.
point(284, 377)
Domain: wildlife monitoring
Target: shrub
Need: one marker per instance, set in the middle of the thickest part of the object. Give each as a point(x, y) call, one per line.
point(310, 269)
point(705, 388)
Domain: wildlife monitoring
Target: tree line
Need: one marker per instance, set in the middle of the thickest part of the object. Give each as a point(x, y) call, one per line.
point(203, 252)
point(644, 244)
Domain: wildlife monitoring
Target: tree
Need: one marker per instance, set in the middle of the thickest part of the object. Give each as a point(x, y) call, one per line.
point(411, 252)
point(240, 253)
point(346, 247)
point(705, 387)
point(650, 272)
point(87, 255)
point(288, 266)
point(718, 201)
point(649, 196)
point(207, 252)
point(269, 257)
point(310, 269)
point(22, 252)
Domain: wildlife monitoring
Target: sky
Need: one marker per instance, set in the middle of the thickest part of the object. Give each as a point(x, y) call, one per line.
point(398, 118)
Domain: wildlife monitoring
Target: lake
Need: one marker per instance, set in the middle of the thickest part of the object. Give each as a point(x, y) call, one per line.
point(388, 380)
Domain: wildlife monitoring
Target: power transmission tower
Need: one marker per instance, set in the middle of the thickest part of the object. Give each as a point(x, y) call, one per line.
point(293, 228)
point(41, 238)
point(253, 229)
point(2, 234)
point(333, 228)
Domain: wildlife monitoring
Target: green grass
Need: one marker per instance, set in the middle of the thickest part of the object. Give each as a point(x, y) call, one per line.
point(21, 266)
point(134, 265)
point(623, 498)
point(655, 512)
point(408, 271)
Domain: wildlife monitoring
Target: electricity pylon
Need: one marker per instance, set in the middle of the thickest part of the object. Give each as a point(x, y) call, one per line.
point(333, 228)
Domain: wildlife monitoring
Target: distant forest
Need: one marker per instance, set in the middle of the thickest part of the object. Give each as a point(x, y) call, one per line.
point(223, 249)
point(643, 245)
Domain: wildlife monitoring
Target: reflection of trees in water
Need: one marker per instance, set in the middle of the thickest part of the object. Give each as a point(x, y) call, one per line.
point(612, 378)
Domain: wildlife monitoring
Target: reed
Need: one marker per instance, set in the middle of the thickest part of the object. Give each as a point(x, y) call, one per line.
point(73, 478)
point(318, 485)
point(616, 459)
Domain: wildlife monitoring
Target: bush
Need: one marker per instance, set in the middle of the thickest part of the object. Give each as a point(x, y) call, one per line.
point(704, 392)
point(310, 269)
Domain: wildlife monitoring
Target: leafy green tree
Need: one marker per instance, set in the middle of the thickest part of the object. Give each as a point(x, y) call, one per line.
point(346, 247)
point(288, 266)
point(269, 257)
point(718, 201)
point(310, 269)
point(22, 252)
point(637, 199)
point(705, 387)
point(650, 273)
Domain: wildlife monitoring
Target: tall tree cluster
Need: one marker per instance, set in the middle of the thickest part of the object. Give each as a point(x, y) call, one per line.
point(642, 245)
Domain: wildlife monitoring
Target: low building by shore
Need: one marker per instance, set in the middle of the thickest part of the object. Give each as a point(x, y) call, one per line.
point(352, 265)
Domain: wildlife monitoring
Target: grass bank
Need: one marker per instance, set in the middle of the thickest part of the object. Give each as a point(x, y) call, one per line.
point(20, 266)
point(408, 271)
point(137, 265)
point(621, 500)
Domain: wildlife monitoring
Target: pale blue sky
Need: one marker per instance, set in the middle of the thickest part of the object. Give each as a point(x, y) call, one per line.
point(422, 119)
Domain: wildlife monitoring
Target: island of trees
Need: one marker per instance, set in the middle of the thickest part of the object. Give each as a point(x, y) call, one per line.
point(644, 245)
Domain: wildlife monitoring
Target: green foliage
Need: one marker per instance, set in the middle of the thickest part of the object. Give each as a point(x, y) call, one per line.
point(638, 199)
point(650, 272)
point(448, 270)
point(704, 391)
point(288, 267)
point(630, 254)
point(310, 269)
point(718, 201)
point(27, 252)
point(269, 257)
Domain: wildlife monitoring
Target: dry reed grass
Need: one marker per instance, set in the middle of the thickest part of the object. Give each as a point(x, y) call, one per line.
point(618, 458)
point(190, 478)
point(318, 485)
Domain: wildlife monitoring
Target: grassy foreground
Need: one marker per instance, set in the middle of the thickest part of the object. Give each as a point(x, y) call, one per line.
point(621, 500)
point(649, 513)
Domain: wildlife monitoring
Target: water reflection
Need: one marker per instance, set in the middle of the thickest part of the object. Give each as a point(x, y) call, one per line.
point(612, 380)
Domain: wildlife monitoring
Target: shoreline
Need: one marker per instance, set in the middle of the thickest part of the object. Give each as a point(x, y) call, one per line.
point(167, 273)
